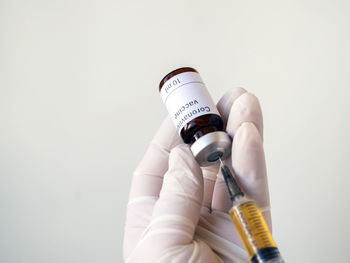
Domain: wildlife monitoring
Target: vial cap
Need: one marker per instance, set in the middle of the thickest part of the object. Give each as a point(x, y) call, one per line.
point(209, 148)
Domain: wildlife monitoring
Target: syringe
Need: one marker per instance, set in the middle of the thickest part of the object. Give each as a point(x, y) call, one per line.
point(250, 224)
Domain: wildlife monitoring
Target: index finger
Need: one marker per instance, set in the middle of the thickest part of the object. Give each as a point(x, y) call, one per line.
point(148, 176)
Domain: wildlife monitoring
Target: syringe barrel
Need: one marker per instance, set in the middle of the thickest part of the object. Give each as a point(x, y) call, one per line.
point(254, 232)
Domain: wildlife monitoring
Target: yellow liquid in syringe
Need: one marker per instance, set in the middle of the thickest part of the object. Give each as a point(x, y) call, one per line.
point(252, 228)
point(250, 224)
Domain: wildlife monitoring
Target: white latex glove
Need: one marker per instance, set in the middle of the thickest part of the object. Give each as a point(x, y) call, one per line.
point(177, 211)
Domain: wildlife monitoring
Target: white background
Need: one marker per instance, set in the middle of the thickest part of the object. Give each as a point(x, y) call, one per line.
point(79, 104)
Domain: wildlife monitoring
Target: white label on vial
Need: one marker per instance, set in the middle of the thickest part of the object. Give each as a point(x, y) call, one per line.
point(186, 98)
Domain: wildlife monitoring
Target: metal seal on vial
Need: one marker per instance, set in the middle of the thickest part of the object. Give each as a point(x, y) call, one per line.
point(209, 148)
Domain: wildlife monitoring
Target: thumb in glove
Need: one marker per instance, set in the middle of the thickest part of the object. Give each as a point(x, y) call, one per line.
point(176, 214)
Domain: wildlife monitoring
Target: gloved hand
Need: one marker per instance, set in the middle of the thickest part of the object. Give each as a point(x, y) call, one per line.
point(177, 211)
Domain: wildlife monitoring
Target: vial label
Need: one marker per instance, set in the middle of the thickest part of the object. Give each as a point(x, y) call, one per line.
point(251, 227)
point(186, 98)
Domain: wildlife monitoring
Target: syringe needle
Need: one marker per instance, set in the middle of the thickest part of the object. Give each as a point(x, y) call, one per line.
point(221, 162)
point(231, 183)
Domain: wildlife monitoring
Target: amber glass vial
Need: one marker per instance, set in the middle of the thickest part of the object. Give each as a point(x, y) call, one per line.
point(195, 115)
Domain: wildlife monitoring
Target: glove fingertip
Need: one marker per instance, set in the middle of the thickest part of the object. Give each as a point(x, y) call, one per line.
point(225, 103)
point(248, 135)
point(181, 156)
point(245, 109)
